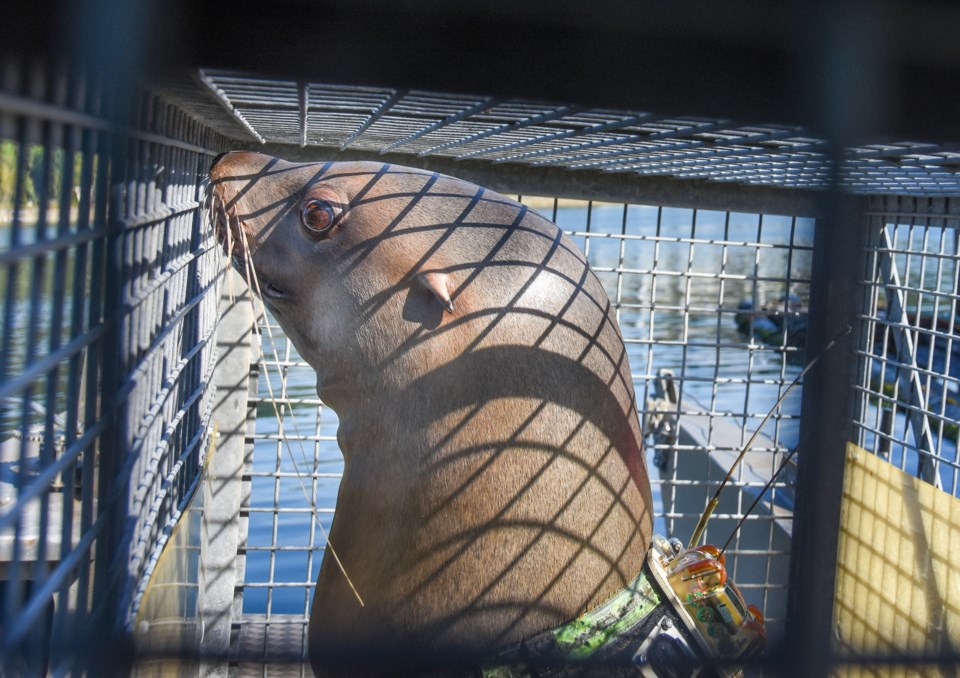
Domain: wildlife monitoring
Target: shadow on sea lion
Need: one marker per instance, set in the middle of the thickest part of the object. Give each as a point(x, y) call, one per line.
point(494, 484)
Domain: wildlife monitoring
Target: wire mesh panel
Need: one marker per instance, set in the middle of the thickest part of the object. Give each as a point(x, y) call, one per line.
point(712, 307)
point(713, 310)
point(293, 476)
point(106, 277)
point(910, 376)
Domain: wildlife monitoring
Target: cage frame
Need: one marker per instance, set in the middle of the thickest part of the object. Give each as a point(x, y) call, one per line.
point(836, 210)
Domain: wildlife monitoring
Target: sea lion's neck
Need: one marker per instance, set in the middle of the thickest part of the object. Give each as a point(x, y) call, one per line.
point(446, 516)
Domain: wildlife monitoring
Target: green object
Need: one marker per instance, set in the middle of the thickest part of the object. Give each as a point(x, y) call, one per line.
point(591, 632)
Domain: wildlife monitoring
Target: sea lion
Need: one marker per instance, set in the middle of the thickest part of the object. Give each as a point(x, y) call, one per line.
point(494, 484)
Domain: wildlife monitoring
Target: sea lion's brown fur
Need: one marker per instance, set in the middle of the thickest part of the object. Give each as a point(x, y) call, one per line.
point(493, 482)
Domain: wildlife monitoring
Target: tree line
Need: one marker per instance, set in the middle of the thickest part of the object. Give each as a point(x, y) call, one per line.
point(35, 166)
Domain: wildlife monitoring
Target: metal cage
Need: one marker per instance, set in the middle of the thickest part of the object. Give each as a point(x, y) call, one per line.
point(109, 307)
point(153, 441)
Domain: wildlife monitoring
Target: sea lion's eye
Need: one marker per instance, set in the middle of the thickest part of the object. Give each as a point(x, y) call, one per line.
point(318, 215)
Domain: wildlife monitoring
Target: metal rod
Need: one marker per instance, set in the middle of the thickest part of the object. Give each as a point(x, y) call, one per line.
point(646, 149)
point(584, 184)
point(509, 127)
point(39, 110)
point(304, 98)
point(825, 428)
point(377, 113)
point(909, 373)
point(693, 128)
point(677, 152)
point(565, 134)
point(227, 105)
point(557, 150)
point(645, 146)
point(484, 105)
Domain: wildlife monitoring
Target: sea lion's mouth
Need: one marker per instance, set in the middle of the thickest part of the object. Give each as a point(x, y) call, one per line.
point(236, 244)
point(271, 291)
point(230, 234)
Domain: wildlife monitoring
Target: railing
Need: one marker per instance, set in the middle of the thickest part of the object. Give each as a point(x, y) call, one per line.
point(107, 293)
point(910, 372)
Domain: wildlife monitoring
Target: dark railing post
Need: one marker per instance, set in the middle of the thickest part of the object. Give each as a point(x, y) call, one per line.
point(111, 40)
point(847, 86)
point(826, 427)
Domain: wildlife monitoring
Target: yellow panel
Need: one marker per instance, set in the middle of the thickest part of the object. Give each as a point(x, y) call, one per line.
point(167, 628)
point(898, 576)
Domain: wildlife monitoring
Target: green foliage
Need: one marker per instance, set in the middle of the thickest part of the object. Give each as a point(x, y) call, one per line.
point(40, 171)
point(8, 172)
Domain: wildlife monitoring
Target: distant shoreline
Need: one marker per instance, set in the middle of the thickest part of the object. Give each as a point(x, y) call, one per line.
point(539, 203)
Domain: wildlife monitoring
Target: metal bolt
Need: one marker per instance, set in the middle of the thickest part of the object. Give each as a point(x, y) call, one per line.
point(666, 623)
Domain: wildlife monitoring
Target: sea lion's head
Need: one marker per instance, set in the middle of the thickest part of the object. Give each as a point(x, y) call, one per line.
point(257, 198)
point(356, 258)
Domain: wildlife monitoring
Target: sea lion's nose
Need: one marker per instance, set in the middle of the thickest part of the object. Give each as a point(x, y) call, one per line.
point(222, 164)
point(239, 163)
point(218, 159)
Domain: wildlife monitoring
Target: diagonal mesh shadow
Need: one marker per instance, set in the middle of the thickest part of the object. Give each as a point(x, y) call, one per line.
point(494, 484)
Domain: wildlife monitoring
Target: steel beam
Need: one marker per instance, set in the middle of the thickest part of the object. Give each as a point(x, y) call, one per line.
point(582, 184)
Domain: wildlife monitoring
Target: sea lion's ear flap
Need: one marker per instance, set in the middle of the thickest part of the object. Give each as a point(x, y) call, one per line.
point(437, 283)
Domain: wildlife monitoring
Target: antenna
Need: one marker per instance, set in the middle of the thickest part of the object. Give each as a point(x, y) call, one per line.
point(712, 505)
point(783, 465)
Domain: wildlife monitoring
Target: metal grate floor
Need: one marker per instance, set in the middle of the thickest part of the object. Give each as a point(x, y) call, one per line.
point(271, 646)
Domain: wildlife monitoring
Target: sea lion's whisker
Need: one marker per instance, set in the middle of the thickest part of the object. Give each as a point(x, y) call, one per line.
point(229, 264)
point(215, 213)
point(216, 210)
point(260, 314)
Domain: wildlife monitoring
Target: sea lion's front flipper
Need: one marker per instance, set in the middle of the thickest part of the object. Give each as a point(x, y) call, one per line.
point(436, 282)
